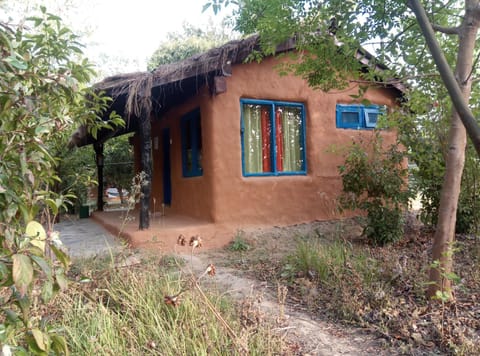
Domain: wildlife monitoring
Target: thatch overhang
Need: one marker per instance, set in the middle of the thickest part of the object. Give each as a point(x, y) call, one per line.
point(172, 84)
point(166, 87)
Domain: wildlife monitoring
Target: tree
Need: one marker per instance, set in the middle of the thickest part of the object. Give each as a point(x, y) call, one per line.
point(460, 87)
point(192, 40)
point(72, 179)
point(43, 93)
point(392, 32)
point(118, 169)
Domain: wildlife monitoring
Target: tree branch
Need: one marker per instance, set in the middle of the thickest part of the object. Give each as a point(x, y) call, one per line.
point(400, 80)
point(446, 30)
point(473, 69)
point(446, 73)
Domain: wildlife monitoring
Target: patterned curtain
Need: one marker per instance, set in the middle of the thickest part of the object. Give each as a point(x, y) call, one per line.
point(291, 128)
point(252, 138)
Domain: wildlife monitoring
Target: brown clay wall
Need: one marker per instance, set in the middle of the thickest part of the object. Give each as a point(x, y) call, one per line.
point(191, 196)
point(222, 194)
point(285, 199)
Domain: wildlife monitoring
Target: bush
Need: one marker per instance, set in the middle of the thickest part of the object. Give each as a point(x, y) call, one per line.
point(43, 94)
point(424, 134)
point(384, 224)
point(374, 180)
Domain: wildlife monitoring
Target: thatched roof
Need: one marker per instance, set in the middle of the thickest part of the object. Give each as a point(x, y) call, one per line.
point(166, 86)
point(171, 84)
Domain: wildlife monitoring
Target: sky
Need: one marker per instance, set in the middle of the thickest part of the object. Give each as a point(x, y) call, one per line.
point(134, 29)
point(120, 35)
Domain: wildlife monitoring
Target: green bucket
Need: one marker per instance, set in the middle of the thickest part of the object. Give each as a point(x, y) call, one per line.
point(84, 211)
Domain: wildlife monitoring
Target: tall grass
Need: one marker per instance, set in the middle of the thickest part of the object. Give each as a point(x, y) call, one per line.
point(383, 289)
point(123, 312)
point(327, 261)
point(339, 274)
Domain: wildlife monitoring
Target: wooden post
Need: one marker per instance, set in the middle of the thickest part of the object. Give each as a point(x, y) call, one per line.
point(99, 158)
point(146, 165)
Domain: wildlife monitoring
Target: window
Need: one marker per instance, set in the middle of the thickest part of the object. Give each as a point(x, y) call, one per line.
point(358, 116)
point(273, 138)
point(191, 133)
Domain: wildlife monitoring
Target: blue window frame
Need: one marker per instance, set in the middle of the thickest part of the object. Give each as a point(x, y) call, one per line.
point(273, 138)
point(191, 135)
point(358, 116)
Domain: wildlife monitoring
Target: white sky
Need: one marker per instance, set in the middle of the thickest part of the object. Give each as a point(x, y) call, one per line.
point(120, 35)
point(134, 29)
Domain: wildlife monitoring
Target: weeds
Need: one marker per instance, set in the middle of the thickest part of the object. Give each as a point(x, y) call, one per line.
point(334, 268)
point(145, 309)
point(326, 262)
point(135, 194)
point(239, 244)
point(336, 275)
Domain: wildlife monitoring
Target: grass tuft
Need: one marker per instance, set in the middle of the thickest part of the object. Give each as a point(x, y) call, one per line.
point(122, 311)
point(239, 244)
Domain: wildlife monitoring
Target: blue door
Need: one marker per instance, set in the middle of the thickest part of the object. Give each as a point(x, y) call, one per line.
point(167, 180)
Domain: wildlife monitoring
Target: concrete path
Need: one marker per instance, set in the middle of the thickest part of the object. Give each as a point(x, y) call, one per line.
point(86, 238)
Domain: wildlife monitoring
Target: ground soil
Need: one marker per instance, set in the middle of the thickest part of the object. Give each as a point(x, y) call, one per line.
point(249, 273)
point(307, 334)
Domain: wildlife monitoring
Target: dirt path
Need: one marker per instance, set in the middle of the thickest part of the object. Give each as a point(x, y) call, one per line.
point(314, 337)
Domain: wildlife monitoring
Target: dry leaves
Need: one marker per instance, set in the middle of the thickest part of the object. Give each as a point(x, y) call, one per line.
point(194, 242)
point(173, 300)
point(181, 240)
point(211, 271)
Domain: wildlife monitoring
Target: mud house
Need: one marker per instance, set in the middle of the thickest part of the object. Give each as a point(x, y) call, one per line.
point(235, 143)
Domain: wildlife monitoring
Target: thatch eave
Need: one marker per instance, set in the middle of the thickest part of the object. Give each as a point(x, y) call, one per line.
point(211, 61)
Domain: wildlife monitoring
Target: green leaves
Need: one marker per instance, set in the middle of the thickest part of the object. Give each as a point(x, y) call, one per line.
point(375, 180)
point(61, 256)
point(16, 62)
point(217, 5)
point(120, 175)
point(43, 342)
point(186, 43)
point(43, 95)
point(59, 345)
point(41, 339)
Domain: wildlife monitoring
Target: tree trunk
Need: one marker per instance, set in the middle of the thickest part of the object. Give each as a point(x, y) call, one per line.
point(447, 212)
point(120, 194)
point(99, 158)
point(445, 232)
point(146, 165)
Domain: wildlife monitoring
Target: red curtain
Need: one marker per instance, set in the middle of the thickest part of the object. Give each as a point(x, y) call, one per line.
point(279, 140)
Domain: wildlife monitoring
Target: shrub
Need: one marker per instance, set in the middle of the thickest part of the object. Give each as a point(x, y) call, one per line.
point(424, 134)
point(374, 180)
point(43, 90)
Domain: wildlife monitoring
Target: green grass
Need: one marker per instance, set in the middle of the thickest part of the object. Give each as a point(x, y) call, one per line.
point(339, 272)
point(123, 312)
point(383, 288)
point(327, 261)
point(239, 244)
